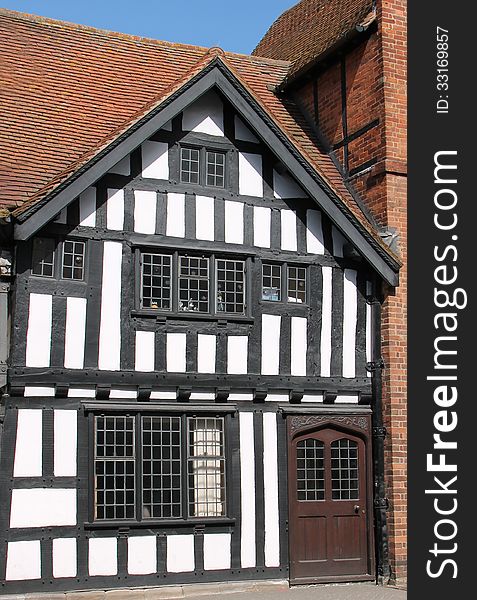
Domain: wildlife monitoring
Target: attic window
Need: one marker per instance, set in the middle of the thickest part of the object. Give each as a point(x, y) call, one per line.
point(43, 257)
point(202, 167)
point(189, 165)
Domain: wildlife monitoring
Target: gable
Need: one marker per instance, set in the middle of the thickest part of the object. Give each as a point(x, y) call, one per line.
point(348, 219)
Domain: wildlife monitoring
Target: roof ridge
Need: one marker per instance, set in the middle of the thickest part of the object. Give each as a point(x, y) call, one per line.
point(49, 21)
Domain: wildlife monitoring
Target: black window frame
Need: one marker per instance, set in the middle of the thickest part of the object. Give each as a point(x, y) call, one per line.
point(175, 310)
point(203, 174)
point(184, 415)
point(33, 263)
point(58, 258)
point(284, 283)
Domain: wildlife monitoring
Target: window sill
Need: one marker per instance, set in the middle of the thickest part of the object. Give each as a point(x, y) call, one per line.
point(160, 523)
point(190, 316)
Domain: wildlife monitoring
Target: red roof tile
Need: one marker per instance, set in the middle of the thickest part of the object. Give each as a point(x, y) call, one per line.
point(311, 27)
point(68, 91)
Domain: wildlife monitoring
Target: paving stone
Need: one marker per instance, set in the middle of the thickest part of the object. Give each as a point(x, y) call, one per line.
point(163, 593)
point(93, 595)
point(125, 594)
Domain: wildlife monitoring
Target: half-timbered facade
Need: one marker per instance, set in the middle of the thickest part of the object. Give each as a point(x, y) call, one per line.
point(192, 387)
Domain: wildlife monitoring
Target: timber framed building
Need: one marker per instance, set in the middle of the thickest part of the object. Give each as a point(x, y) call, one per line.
point(201, 273)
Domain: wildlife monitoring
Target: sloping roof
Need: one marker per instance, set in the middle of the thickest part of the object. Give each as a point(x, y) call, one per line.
point(68, 91)
point(310, 28)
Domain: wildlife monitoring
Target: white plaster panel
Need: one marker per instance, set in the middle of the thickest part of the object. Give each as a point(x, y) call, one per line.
point(270, 481)
point(167, 126)
point(23, 560)
point(64, 557)
point(338, 242)
point(102, 556)
point(175, 222)
point(44, 391)
point(326, 310)
point(233, 222)
point(206, 351)
point(202, 396)
point(123, 167)
point(180, 553)
point(250, 175)
point(369, 339)
point(237, 354)
point(314, 232)
point(247, 489)
point(87, 207)
point(61, 216)
point(65, 442)
point(242, 132)
point(276, 398)
point(142, 555)
point(176, 352)
point(115, 210)
point(347, 399)
point(163, 395)
point(284, 186)
point(312, 398)
point(145, 205)
point(205, 115)
point(270, 344)
point(144, 354)
point(217, 551)
point(38, 343)
point(122, 393)
point(288, 230)
point(350, 314)
point(86, 392)
point(110, 324)
point(28, 447)
point(262, 224)
point(204, 218)
point(155, 160)
point(233, 397)
point(299, 345)
point(75, 332)
point(43, 507)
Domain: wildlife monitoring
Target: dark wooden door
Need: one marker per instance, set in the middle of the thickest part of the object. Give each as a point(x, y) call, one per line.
point(328, 526)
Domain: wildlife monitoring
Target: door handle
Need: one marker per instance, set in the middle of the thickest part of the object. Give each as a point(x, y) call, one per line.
point(356, 508)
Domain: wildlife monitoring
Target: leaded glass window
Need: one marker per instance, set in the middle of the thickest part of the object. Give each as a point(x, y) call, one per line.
point(310, 470)
point(344, 470)
point(43, 257)
point(230, 286)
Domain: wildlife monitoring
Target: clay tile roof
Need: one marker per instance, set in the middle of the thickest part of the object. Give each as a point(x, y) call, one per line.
point(307, 30)
point(67, 91)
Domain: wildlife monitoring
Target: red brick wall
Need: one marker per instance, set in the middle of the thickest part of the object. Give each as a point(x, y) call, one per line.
point(376, 89)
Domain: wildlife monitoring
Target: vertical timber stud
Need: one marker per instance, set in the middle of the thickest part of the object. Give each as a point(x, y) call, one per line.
point(383, 569)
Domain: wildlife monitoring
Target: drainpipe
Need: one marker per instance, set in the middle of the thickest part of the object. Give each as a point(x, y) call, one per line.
point(381, 504)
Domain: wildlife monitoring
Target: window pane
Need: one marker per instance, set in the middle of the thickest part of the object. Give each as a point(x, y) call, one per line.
point(189, 165)
point(156, 281)
point(344, 470)
point(216, 169)
point(271, 282)
point(43, 257)
point(193, 284)
point(73, 260)
point(296, 284)
point(231, 286)
point(114, 467)
point(310, 471)
point(161, 466)
point(206, 467)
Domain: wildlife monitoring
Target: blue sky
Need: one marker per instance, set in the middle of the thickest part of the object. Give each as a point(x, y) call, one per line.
point(235, 26)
